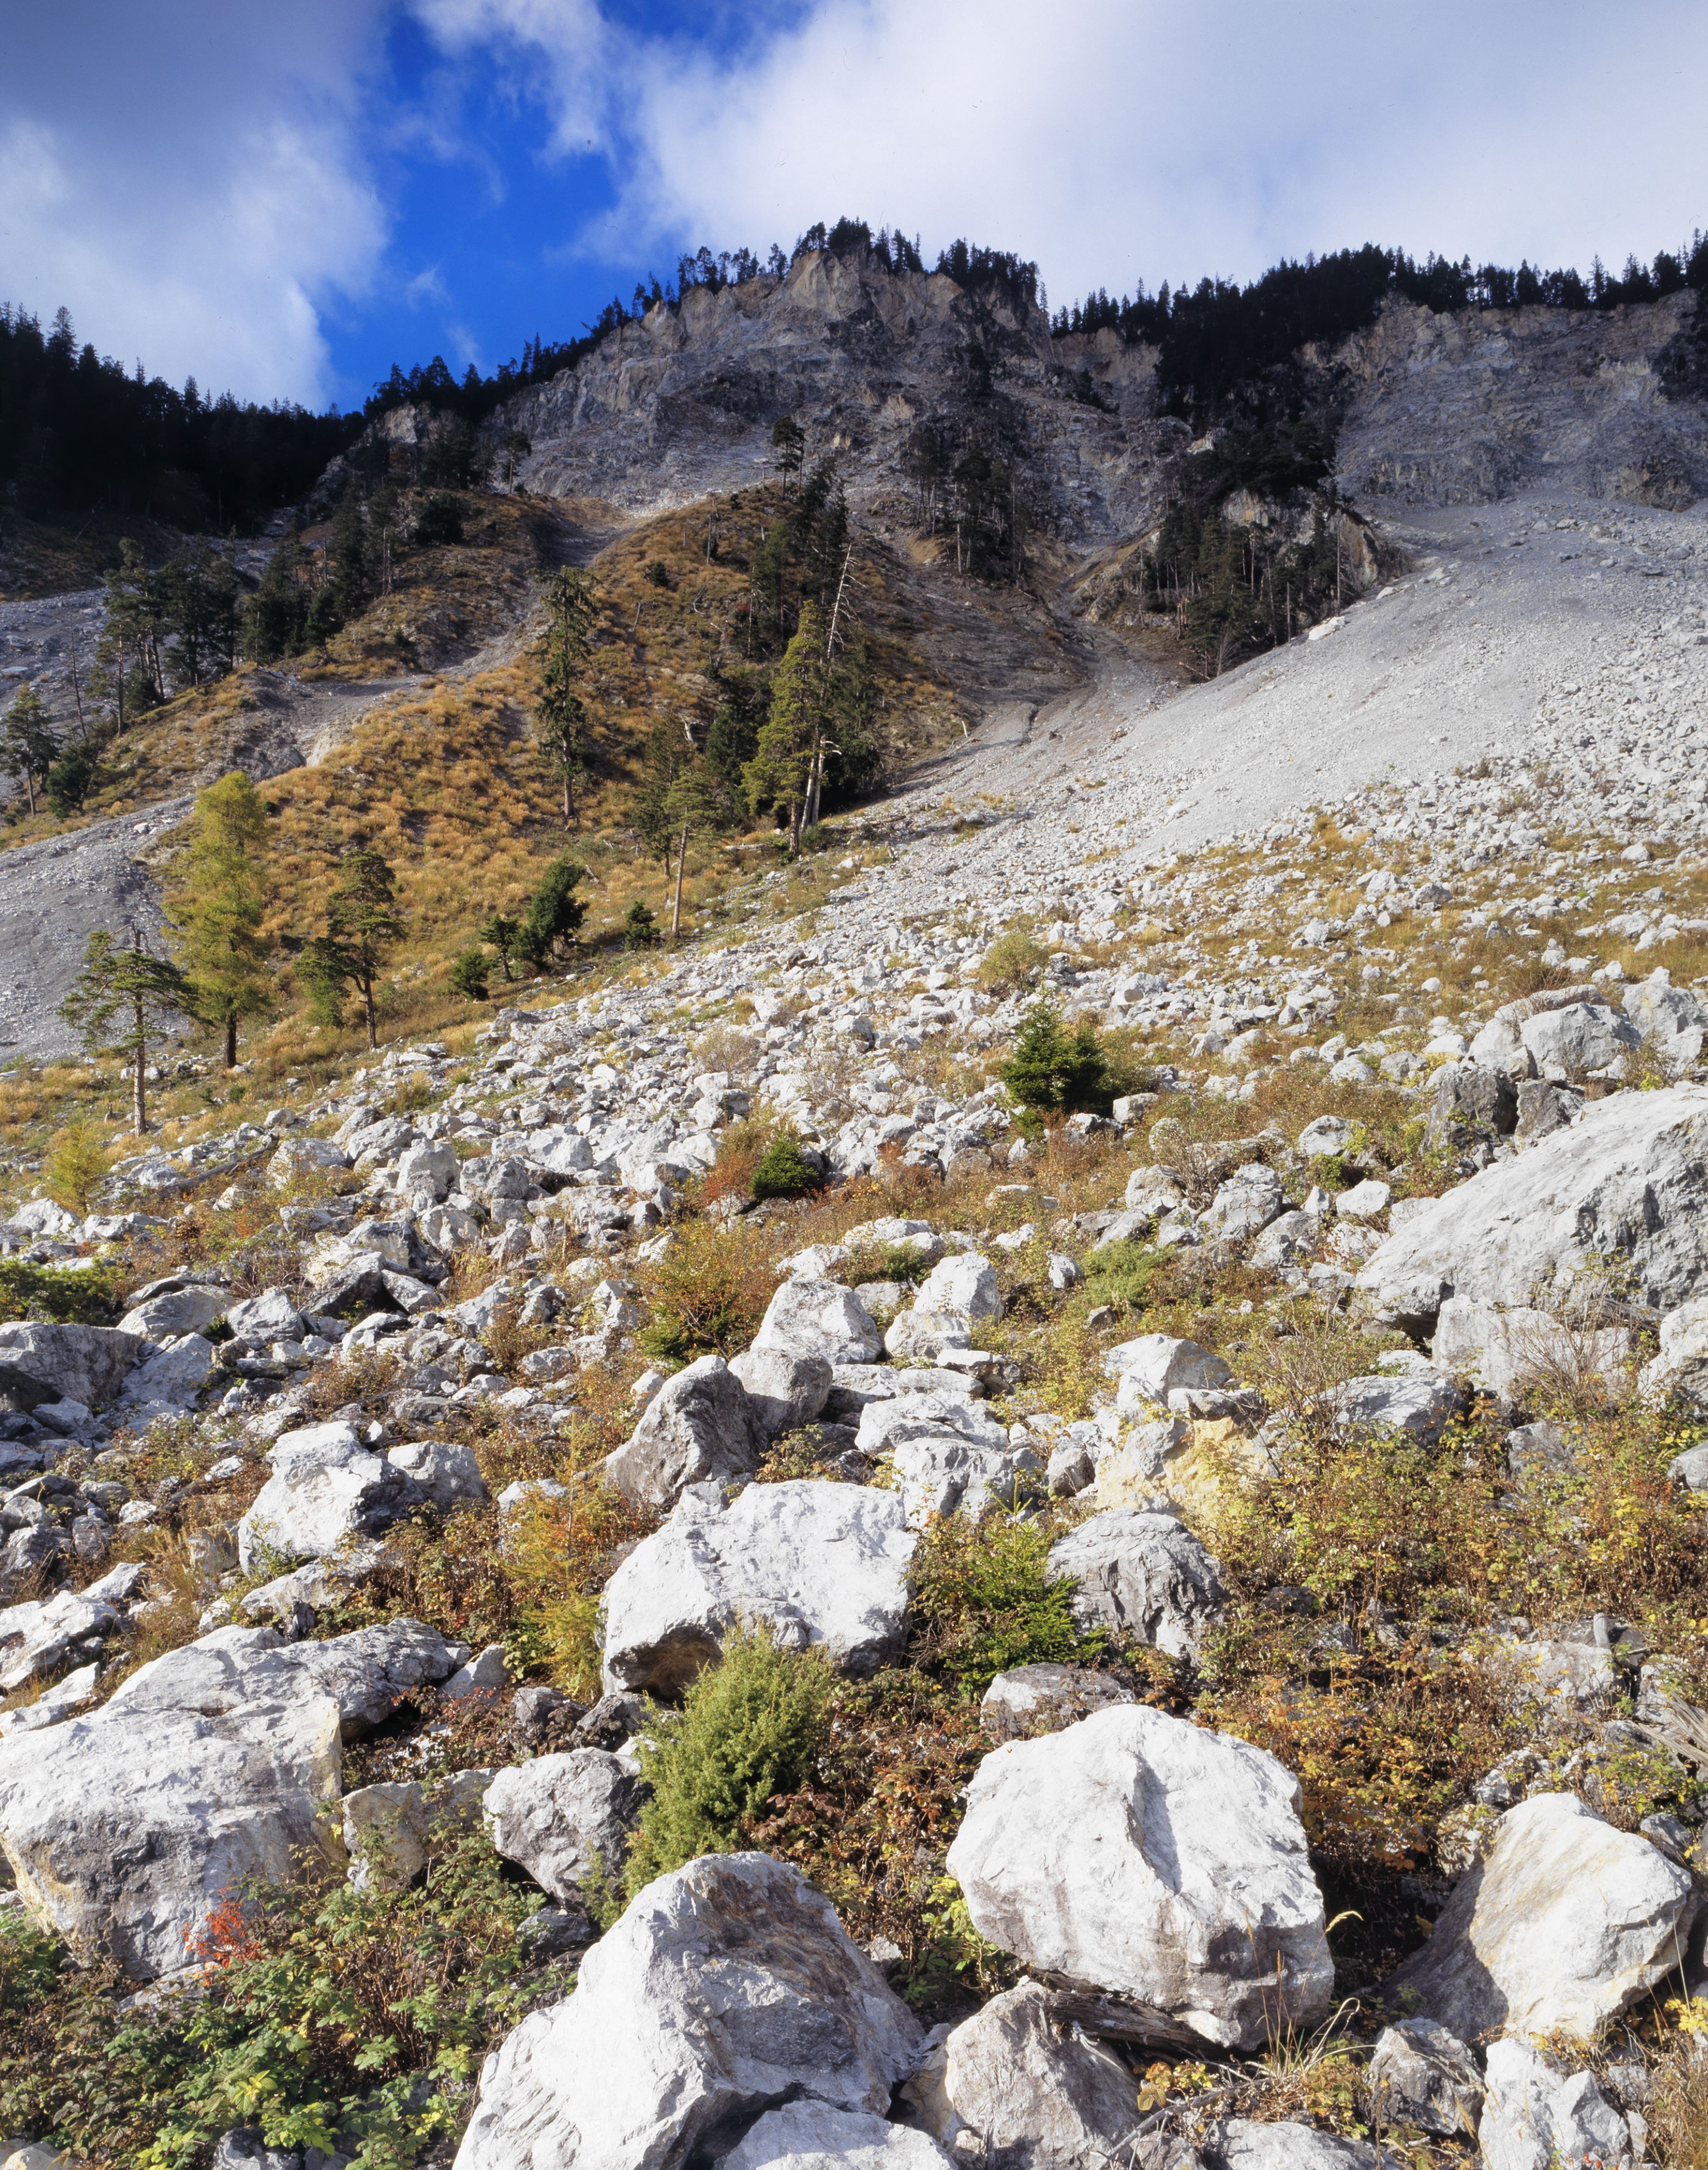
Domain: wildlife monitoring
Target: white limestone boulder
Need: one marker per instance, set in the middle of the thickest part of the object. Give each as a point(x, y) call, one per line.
point(392, 1829)
point(1013, 2088)
point(1421, 2075)
point(823, 1565)
point(820, 1318)
point(447, 1473)
point(728, 1988)
point(86, 1364)
point(565, 1818)
point(1536, 2118)
point(1142, 1856)
point(785, 1389)
point(965, 1283)
point(1246, 2145)
point(699, 1428)
point(208, 1768)
point(1628, 1181)
point(1564, 1924)
point(1152, 1366)
point(326, 1490)
point(809, 2135)
point(178, 1311)
point(1143, 1575)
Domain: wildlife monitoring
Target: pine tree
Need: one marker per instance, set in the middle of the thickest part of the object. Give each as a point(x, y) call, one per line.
point(199, 594)
point(347, 554)
point(468, 973)
point(669, 750)
point(120, 1002)
point(789, 739)
point(789, 442)
point(554, 910)
point(217, 911)
point(134, 621)
point(30, 746)
point(275, 619)
point(697, 800)
point(505, 936)
point(361, 925)
point(561, 728)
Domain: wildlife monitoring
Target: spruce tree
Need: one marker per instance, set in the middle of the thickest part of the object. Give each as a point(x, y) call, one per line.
point(505, 936)
point(789, 739)
point(218, 909)
point(554, 910)
point(361, 925)
point(30, 746)
point(561, 727)
point(697, 800)
point(120, 1002)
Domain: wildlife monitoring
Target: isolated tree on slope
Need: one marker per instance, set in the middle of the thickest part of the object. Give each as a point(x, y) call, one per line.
point(783, 764)
point(30, 746)
point(217, 913)
point(561, 727)
point(119, 1004)
point(361, 925)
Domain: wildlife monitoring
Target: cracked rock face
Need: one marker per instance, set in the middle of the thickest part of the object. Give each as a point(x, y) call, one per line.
point(728, 1988)
point(1630, 1177)
point(824, 1565)
point(1140, 1855)
point(1564, 1924)
point(206, 1769)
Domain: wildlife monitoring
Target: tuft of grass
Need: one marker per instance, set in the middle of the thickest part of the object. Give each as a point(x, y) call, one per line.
point(1014, 961)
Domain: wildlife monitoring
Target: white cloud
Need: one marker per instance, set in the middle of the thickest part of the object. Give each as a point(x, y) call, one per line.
point(1110, 140)
point(197, 199)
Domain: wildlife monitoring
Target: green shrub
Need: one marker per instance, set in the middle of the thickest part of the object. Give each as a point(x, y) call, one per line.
point(640, 929)
point(76, 1165)
point(1052, 1068)
point(1123, 1273)
point(747, 1732)
point(468, 973)
point(1013, 960)
point(439, 520)
point(708, 1293)
point(86, 1296)
point(984, 1600)
point(785, 1172)
point(334, 2018)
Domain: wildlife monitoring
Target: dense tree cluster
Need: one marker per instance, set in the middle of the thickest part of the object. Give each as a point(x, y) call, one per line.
point(77, 432)
point(1218, 334)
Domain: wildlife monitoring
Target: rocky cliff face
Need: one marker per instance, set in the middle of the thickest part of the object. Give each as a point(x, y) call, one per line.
point(1439, 409)
point(681, 405)
point(1467, 409)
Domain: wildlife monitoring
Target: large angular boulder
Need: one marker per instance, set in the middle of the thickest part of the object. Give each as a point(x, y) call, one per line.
point(820, 1318)
point(1670, 1018)
point(1536, 2118)
point(1508, 1350)
point(1246, 2145)
point(1016, 2090)
point(1245, 1205)
point(1569, 1043)
point(809, 2135)
point(727, 1989)
point(1144, 1575)
point(167, 1382)
point(447, 1471)
point(326, 1490)
point(208, 1768)
point(1154, 1366)
point(1421, 1403)
point(965, 1284)
point(1043, 1698)
point(1421, 2075)
point(86, 1364)
point(823, 1565)
point(565, 1818)
point(1471, 1103)
point(265, 1318)
point(699, 1428)
point(1629, 1180)
point(943, 1473)
point(1564, 1924)
point(392, 1829)
point(785, 1390)
point(176, 1311)
point(1147, 1857)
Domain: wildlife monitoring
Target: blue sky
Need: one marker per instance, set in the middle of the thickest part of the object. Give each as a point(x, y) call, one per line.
point(285, 200)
